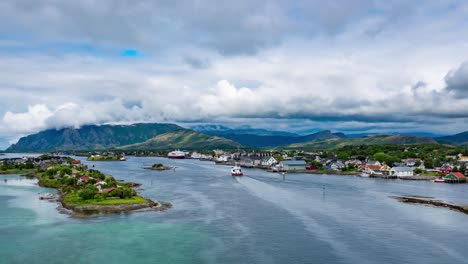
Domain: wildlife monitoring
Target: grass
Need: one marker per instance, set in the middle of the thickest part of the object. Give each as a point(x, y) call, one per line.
point(17, 171)
point(74, 199)
point(432, 173)
point(104, 158)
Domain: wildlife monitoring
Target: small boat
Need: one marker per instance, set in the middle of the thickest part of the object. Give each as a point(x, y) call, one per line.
point(176, 154)
point(366, 175)
point(440, 180)
point(236, 171)
point(123, 158)
point(47, 196)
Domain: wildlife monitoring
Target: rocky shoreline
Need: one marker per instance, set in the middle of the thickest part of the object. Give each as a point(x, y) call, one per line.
point(84, 211)
point(159, 168)
point(431, 202)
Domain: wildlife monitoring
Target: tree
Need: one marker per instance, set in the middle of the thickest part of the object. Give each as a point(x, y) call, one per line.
point(343, 155)
point(429, 163)
point(462, 167)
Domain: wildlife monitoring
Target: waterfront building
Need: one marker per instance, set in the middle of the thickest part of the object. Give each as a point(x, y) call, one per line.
point(455, 177)
point(293, 165)
point(401, 171)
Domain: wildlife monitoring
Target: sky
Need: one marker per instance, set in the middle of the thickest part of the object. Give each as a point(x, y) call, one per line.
point(354, 66)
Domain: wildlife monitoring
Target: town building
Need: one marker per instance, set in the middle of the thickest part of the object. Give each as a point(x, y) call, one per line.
point(455, 177)
point(401, 171)
point(293, 165)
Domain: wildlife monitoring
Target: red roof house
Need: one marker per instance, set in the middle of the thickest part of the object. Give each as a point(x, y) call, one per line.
point(455, 177)
point(108, 190)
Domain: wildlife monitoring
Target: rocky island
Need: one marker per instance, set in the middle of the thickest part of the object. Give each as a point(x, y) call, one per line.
point(159, 167)
point(430, 201)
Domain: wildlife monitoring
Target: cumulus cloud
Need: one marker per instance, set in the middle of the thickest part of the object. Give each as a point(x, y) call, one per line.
point(457, 81)
point(360, 65)
point(32, 120)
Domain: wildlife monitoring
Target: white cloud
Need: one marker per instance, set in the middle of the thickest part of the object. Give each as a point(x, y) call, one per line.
point(32, 120)
point(354, 68)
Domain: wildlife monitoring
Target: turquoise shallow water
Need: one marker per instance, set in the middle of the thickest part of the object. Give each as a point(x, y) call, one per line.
point(253, 219)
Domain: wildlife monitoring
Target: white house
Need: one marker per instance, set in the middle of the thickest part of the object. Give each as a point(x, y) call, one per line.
point(268, 161)
point(195, 155)
point(401, 171)
point(247, 162)
point(223, 158)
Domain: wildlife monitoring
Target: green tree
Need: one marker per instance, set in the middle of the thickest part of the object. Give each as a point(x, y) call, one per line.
point(343, 155)
point(87, 193)
point(429, 163)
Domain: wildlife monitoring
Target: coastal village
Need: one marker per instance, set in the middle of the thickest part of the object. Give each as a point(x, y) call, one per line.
point(453, 168)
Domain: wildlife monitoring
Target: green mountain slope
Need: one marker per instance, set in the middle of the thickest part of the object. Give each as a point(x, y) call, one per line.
point(184, 139)
point(255, 140)
point(461, 138)
point(375, 140)
point(90, 137)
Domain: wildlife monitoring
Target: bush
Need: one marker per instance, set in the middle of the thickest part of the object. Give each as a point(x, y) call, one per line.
point(87, 193)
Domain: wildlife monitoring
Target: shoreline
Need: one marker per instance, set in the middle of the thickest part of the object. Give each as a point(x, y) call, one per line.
point(430, 201)
point(86, 211)
point(165, 168)
point(90, 210)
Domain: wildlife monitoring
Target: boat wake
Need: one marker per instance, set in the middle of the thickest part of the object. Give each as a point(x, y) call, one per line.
point(299, 206)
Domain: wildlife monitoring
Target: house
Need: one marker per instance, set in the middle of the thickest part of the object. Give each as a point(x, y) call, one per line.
point(401, 171)
point(373, 162)
point(373, 169)
point(246, 162)
point(446, 169)
point(336, 166)
point(75, 162)
point(268, 161)
point(257, 160)
point(411, 162)
point(463, 159)
point(293, 165)
point(83, 179)
point(195, 155)
point(385, 169)
point(455, 177)
point(108, 190)
point(100, 184)
point(354, 162)
point(223, 158)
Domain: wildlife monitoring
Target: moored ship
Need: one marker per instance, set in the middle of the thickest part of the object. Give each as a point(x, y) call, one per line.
point(176, 154)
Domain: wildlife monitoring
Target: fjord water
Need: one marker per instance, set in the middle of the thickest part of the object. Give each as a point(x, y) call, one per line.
point(254, 219)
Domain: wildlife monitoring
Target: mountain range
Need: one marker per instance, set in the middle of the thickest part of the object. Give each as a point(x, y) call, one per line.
point(91, 137)
point(184, 139)
point(373, 140)
point(154, 136)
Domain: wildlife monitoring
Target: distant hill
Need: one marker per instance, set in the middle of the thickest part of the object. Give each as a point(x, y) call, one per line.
point(273, 141)
point(374, 140)
point(219, 130)
point(184, 139)
point(90, 137)
point(461, 138)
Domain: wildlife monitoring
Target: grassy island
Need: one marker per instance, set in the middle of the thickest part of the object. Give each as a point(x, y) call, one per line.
point(105, 158)
point(87, 191)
